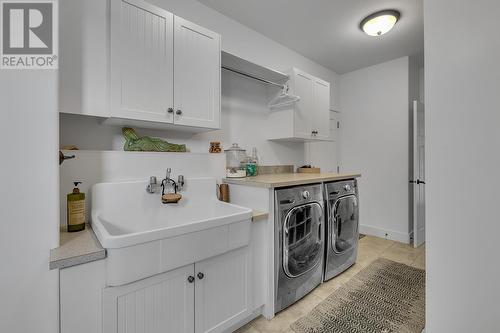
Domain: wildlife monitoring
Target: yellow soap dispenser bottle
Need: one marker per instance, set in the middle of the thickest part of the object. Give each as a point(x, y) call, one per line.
point(76, 209)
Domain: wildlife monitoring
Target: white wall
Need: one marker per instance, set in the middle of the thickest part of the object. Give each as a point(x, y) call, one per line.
point(375, 139)
point(462, 74)
point(92, 167)
point(244, 102)
point(29, 216)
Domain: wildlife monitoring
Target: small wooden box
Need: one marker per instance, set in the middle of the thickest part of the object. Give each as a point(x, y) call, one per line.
point(309, 170)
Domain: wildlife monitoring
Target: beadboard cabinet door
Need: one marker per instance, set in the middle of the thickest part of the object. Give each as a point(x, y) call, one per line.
point(196, 75)
point(162, 303)
point(320, 118)
point(141, 61)
point(223, 291)
point(303, 85)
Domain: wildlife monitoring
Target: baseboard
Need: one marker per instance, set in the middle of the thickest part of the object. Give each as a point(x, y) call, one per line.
point(256, 313)
point(385, 233)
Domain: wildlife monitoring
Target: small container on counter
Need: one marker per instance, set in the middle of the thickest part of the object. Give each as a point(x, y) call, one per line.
point(252, 164)
point(251, 167)
point(215, 147)
point(76, 209)
point(235, 162)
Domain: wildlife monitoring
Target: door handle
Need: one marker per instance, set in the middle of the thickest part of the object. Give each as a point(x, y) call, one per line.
point(178, 112)
point(287, 201)
point(201, 275)
point(420, 182)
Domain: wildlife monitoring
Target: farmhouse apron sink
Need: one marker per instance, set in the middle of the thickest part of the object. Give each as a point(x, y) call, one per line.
point(144, 237)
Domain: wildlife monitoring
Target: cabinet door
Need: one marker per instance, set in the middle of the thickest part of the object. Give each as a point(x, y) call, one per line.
point(303, 86)
point(223, 291)
point(320, 120)
point(163, 303)
point(197, 75)
point(141, 61)
point(334, 125)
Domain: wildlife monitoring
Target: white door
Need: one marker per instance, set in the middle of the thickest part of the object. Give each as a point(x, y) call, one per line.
point(418, 180)
point(141, 61)
point(196, 75)
point(303, 86)
point(223, 291)
point(163, 303)
point(320, 120)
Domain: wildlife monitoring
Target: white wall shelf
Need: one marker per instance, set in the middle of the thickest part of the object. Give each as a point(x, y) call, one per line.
point(247, 68)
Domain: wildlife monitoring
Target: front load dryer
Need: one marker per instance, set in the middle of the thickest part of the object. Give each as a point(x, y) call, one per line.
point(342, 226)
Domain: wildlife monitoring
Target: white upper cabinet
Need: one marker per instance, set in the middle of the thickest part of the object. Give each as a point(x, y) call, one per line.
point(141, 62)
point(196, 75)
point(136, 63)
point(320, 121)
point(303, 86)
point(308, 119)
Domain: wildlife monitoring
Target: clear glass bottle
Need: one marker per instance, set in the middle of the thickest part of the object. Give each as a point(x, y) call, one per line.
point(252, 163)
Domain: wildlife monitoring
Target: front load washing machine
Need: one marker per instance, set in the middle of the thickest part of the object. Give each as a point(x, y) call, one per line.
point(299, 246)
point(342, 226)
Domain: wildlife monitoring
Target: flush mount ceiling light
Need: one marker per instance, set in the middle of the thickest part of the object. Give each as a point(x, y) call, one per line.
point(380, 22)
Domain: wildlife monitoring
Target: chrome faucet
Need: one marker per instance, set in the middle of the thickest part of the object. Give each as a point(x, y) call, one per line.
point(177, 186)
point(153, 185)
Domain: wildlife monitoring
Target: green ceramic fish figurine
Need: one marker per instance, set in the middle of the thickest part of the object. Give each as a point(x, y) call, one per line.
point(135, 143)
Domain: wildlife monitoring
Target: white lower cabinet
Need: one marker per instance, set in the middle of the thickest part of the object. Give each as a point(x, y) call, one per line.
point(207, 296)
point(222, 296)
point(162, 303)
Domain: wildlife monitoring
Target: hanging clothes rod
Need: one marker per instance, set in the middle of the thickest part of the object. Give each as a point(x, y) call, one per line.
point(282, 86)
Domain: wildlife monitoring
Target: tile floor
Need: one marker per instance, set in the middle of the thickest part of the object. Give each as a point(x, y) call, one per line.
point(370, 248)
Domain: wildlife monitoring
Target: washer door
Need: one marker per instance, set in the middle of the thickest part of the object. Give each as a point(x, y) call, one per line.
point(302, 239)
point(344, 224)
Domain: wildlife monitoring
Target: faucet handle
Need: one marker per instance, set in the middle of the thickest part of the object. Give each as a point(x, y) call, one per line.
point(180, 182)
point(153, 184)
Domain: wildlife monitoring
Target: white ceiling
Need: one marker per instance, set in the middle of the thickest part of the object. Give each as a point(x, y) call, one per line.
point(327, 31)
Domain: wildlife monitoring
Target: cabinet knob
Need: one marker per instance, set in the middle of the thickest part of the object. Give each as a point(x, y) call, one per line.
point(178, 112)
point(191, 279)
point(201, 275)
point(170, 110)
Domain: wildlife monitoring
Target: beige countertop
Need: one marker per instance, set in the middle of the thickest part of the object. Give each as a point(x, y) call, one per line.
point(76, 248)
point(258, 215)
point(289, 179)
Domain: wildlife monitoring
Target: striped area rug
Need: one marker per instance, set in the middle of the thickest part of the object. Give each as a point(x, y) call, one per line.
point(385, 297)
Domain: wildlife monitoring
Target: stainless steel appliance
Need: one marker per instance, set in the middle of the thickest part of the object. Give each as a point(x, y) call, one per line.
point(299, 246)
point(342, 227)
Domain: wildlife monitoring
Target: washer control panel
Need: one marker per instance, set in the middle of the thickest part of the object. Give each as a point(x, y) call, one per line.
point(341, 188)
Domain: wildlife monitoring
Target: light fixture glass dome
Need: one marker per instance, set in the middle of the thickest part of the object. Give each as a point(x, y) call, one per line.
point(379, 23)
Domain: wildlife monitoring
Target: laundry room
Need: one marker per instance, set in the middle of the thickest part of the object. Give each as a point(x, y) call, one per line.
point(225, 166)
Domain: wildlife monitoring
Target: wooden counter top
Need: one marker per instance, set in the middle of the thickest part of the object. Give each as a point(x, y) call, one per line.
point(290, 179)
